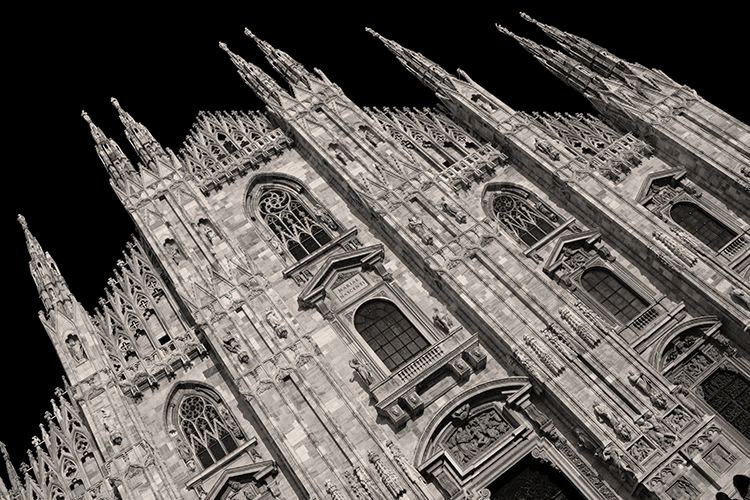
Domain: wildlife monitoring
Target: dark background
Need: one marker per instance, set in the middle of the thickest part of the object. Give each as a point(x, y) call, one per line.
point(165, 66)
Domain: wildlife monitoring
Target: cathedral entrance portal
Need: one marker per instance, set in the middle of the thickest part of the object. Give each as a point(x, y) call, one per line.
point(532, 480)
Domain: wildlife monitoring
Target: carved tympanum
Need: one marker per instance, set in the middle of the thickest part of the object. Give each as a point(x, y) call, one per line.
point(475, 434)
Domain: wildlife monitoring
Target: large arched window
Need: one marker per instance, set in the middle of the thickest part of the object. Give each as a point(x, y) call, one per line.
point(702, 225)
point(729, 394)
point(529, 221)
point(297, 229)
point(614, 295)
point(208, 432)
point(389, 333)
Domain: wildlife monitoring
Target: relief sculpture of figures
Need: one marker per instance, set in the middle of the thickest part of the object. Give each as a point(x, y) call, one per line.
point(323, 217)
point(273, 319)
point(618, 464)
point(417, 227)
point(683, 396)
point(655, 430)
point(75, 348)
point(545, 147)
point(481, 430)
point(173, 251)
point(442, 320)
point(605, 416)
point(110, 426)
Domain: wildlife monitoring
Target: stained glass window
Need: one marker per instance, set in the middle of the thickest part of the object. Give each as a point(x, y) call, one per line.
point(729, 394)
point(616, 297)
point(285, 214)
point(210, 434)
point(702, 225)
point(522, 218)
point(389, 333)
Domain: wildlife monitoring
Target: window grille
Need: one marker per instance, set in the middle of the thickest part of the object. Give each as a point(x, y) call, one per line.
point(729, 394)
point(285, 214)
point(389, 333)
point(522, 218)
point(702, 225)
point(616, 297)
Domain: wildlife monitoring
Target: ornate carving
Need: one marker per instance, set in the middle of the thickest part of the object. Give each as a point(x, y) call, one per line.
point(333, 490)
point(655, 430)
point(684, 255)
point(403, 463)
point(75, 348)
point(110, 425)
point(417, 227)
point(173, 251)
point(741, 295)
point(208, 230)
point(578, 326)
point(593, 318)
point(605, 416)
point(231, 424)
point(323, 216)
point(703, 440)
point(617, 462)
point(387, 476)
point(364, 373)
point(560, 338)
point(275, 322)
point(545, 147)
point(526, 363)
point(641, 450)
point(682, 394)
point(544, 354)
point(583, 468)
point(478, 433)
point(231, 345)
point(683, 489)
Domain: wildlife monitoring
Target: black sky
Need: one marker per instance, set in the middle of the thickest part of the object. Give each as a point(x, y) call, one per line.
point(165, 66)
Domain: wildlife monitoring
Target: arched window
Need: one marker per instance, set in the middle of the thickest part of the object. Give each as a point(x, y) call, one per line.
point(616, 297)
point(209, 432)
point(389, 333)
point(702, 225)
point(729, 394)
point(291, 221)
point(528, 221)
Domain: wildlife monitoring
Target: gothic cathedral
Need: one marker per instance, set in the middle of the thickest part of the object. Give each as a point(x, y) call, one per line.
point(467, 302)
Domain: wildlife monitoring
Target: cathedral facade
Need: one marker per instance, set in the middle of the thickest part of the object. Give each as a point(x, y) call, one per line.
point(331, 302)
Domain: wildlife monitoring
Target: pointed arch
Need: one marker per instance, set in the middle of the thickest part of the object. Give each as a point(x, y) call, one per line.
point(520, 212)
point(202, 427)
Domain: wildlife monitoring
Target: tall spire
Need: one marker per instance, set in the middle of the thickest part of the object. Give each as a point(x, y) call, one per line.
point(292, 71)
point(263, 85)
point(118, 165)
point(52, 288)
point(148, 149)
point(594, 57)
point(565, 68)
point(429, 73)
point(16, 486)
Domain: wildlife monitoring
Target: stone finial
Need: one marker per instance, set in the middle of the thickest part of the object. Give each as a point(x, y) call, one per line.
point(116, 103)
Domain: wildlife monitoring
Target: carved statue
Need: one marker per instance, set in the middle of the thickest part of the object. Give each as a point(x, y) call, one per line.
point(654, 430)
point(481, 430)
point(231, 424)
point(364, 373)
point(110, 426)
point(618, 464)
point(273, 319)
point(740, 295)
point(452, 210)
point(274, 243)
point(417, 227)
point(683, 396)
point(231, 345)
point(75, 348)
point(545, 147)
point(173, 251)
point(583, 439)
point(442, 321)
point(208, 230)
point(605, 416)
point(640, 381)
point(323, 217)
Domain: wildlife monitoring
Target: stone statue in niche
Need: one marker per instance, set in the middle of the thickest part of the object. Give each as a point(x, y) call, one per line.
point(208, 230)
point(682, 489)
point(452, 209)
point(75, 348)
point(655, 430)
point(442, 320)
point(274, 243)
point(364, 373)
point(325, 218)
point(173, 251)
point(545, 147)
point(417, 227)
point(110, 426)
point(605, 416)
point(683, 396)
point(185, 453)
point(644, 385)
point(544, 209)
point(477, 434)
point(275, 322)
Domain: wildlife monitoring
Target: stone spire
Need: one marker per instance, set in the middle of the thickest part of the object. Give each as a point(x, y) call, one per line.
point(429, 73)
point(292, 71)
point(148, 149)
point(593, 56)
point(565, 68)
point(52, 288)
point(117, 164)
point(16, 486)
point(263, 85)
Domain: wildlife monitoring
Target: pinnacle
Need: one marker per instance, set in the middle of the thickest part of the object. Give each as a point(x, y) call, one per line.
point(116, 103)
